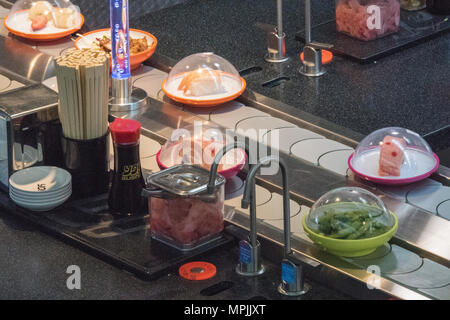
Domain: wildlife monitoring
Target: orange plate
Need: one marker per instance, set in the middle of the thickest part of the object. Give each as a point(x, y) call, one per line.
point(187, 270)
point(205, 103)
point(327, 56)
point(137, 58)
point(43, 36)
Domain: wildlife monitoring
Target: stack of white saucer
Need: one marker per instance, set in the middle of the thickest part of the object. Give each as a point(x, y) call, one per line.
point(40, 188)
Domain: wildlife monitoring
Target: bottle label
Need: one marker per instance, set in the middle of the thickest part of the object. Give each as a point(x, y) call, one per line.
point(131, 172)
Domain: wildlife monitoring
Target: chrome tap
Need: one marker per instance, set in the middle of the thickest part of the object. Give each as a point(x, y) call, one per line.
point(216, 161)
point(276, 39)
point(292, 277)
point(249, 250)
point(312, 59)
point(312, 51)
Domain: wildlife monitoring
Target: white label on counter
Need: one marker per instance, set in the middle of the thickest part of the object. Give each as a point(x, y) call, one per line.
point(374, 21)
point(74, 280)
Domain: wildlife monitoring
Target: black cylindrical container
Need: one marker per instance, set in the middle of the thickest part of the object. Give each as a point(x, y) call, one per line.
point(88, 163)
point(50, 134)
point(127, 183)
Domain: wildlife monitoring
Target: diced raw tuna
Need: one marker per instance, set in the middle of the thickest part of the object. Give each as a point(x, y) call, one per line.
point(391, 156)
point(186, 220)
point(352, 16)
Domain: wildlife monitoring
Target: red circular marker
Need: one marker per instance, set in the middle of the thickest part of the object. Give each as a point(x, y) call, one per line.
point(327, 56)
point(197, 270)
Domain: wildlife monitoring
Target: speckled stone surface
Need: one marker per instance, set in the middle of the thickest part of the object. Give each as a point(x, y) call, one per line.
point(409, 88)
point(34, 264)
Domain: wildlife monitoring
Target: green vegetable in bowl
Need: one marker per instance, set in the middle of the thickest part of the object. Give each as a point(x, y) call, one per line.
point(351, 224)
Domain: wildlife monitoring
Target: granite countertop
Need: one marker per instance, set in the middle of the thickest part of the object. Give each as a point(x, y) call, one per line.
point(409, 88)
point(34, 264)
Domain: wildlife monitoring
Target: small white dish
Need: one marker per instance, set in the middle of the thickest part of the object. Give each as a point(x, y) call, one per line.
point(40, 196)
point(46, 206)
point(42, 179)
point(420, 165)
point(39, 202)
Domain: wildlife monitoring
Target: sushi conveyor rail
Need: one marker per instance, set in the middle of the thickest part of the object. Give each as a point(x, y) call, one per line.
point(414, 265)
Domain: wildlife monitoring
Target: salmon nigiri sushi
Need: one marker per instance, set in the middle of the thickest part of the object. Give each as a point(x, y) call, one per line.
point(202, 82)
point(391, 156)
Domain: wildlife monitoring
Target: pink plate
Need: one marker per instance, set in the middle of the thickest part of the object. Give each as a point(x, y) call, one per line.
point(392, 180)
point(228, 173)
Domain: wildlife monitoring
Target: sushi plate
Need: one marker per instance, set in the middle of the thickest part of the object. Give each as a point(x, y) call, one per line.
point(234, 87)
point(422, 166)
point(19, 25)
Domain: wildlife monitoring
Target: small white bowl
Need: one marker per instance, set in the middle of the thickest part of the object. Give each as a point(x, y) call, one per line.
point(42, 180)
point(41, 199)
point(44, 206)
point(40, 196)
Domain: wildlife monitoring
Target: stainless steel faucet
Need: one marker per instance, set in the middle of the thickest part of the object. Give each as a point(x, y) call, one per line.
point(276, 38)
point(292, 276)
point(250, 249)
point(312, 51)
point(312, 59)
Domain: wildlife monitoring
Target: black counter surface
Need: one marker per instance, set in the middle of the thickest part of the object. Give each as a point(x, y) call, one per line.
point(410, 88)
point(34, 265)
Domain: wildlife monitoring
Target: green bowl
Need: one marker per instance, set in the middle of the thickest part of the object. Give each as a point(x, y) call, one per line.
point(350, 248)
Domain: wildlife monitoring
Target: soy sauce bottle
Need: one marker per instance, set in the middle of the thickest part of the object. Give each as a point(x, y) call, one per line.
point(125, 194)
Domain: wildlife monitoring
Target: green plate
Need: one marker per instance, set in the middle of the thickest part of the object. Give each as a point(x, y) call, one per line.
point(350, 248)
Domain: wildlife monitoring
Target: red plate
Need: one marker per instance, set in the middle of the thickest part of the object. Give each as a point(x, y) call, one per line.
point(393, 181)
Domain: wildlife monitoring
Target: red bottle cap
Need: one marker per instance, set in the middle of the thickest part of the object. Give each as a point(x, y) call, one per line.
point(125, 131)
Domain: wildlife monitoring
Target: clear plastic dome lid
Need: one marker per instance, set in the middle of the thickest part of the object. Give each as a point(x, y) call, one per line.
point(350, 213)
point(43, 16)
point(203, 77)
point(199, 144)
point(395, 154)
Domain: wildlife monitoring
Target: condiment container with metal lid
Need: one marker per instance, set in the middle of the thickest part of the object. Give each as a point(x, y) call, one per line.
point(367, 19)
point(183, 213)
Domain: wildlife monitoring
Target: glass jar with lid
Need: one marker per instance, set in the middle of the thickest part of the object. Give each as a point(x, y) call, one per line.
point(184, 214)
point(367, 19)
